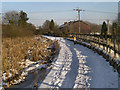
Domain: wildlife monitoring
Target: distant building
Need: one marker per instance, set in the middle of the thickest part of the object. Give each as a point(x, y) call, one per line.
point(73, 27)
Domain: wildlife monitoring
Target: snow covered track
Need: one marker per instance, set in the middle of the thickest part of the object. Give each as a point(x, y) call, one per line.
point(79, 67)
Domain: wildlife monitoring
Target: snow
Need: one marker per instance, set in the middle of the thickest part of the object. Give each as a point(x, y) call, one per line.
point(28, 62)
point(32, 68)
point(40, 66)
point(29, 67)
point(101, 49)
point(4, 76)
point(79, 67)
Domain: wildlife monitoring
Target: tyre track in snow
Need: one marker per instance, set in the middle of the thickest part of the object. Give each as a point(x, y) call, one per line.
point(60, 68)
point(79, 67)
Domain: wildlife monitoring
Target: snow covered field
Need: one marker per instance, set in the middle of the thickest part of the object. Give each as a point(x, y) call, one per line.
point(79, 67)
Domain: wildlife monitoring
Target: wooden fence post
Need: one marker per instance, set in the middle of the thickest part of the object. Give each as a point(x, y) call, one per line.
point(107, 43)
point(114, 36)
point(110, 44)
point(119, 46)
point(115, 48)
point(99, 41)
point(103, 43)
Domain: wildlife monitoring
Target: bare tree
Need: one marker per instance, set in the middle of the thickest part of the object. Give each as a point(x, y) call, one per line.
point(11, 17)
point(95, 28)
point(45, 26)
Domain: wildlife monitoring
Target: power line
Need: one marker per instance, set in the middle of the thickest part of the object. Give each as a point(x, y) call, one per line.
point(100, 11)
point(54, 19)
point(74, 19)
point(58, 11)
point(97, 19)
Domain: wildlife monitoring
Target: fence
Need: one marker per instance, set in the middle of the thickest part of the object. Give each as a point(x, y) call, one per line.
point(109, 43)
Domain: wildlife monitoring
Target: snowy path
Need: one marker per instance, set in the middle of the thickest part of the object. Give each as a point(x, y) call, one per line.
point(79, 67)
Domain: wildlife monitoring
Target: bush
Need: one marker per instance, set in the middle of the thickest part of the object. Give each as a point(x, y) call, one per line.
point(17, 31)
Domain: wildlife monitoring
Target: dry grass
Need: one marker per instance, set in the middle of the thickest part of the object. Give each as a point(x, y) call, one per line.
point(17, 50)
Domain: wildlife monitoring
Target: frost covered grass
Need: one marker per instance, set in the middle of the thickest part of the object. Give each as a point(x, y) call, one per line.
point(20, 53)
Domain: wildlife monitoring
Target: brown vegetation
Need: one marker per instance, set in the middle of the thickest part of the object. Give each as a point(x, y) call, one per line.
point(17, 31)
point(16, 51)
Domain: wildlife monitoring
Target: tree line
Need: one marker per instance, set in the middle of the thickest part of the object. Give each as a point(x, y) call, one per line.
point(15, 25)
point(49, 28)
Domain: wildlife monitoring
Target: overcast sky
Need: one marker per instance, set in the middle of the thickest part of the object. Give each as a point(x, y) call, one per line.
point(61, 12)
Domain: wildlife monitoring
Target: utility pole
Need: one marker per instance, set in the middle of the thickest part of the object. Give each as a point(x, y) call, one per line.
point(79, 10)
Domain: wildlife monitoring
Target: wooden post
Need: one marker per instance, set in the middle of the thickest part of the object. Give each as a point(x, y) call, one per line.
point(108, 32)
point(99, 41)
point(118, 45)
point(103, 43)
point(106, 43)
point(115, 48)
point(94, 39)
point(114, 36)
point(109, 43)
